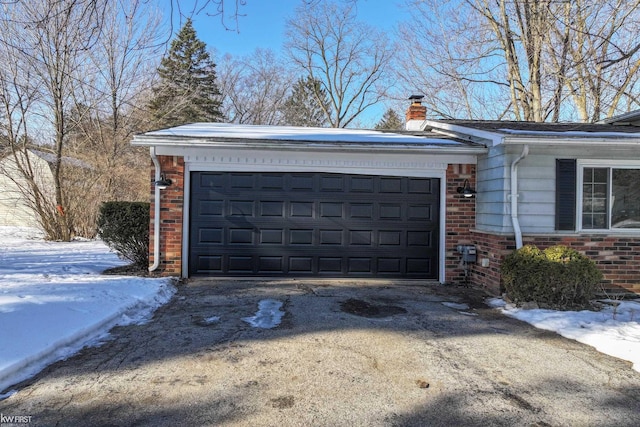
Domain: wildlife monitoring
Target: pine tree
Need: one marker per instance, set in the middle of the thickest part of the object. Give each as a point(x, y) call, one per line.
point(307, 105)
point(188, 90)
point(390, 121)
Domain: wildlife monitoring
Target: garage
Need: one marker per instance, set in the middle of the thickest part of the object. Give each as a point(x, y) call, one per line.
point(313, 224)
point(279, 201)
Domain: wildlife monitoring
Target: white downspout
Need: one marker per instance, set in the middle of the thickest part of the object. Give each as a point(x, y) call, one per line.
point(156, 213)
point(514, 196)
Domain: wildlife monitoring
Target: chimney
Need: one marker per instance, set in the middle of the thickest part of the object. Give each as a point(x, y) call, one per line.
point(416, 113)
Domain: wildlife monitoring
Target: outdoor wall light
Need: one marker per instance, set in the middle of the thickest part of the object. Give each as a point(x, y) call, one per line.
point(466, 189)
point(163, 183)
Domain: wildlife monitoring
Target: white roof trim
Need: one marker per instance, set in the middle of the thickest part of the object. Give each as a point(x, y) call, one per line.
point(464, 132)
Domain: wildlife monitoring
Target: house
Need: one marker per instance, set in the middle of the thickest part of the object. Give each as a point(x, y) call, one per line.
point(15, 200)
point(238, 200)
point(18, 204)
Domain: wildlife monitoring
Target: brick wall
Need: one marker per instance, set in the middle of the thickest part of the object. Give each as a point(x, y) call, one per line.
point(171, 209)
point(617, 257)
point(460, 220)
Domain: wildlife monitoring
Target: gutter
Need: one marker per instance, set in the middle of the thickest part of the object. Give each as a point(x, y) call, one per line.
point(514, 196)
point(156, 216)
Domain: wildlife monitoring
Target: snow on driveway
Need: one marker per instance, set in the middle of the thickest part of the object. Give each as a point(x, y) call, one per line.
point(54, 301)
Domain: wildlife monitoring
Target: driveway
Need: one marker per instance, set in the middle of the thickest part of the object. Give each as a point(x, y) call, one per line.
point(346, 353)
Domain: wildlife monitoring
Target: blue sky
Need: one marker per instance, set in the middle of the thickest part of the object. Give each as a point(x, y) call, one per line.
point(263, 23)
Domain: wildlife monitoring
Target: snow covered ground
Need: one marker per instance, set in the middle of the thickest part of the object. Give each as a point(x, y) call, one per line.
point(54, 301)
point(615, 330)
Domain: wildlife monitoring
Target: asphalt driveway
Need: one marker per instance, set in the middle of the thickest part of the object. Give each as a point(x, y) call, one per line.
point(345, 353)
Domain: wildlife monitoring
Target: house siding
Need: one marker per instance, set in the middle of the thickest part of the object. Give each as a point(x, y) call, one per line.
point(492, 192)
point(14, 209)
point(536, 185)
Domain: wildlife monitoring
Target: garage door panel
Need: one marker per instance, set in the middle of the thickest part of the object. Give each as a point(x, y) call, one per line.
point(270, 209)
point(301, 237)
point(313, 224)
point(421, 186)
point(362, 184)
point(332, 183)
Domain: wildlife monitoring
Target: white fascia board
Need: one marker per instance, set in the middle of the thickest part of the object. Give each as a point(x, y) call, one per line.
point(463, 132)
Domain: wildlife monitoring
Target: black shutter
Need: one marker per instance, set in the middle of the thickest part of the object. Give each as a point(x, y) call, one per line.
point(565, 194)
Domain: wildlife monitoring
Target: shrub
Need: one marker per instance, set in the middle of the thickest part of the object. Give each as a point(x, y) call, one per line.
point(558, 277)
point(124, 227)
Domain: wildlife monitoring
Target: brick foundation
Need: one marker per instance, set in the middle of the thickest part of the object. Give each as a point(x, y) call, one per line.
point(617, 257)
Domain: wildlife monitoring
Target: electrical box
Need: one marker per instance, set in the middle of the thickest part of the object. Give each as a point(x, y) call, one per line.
point(468, 253)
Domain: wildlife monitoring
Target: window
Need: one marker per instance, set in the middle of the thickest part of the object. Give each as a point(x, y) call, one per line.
point(610, 198)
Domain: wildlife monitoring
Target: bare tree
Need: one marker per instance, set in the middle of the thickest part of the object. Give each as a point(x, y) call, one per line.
point(254, 88)
point(600, 41)
point(448, 56)
point(327, 42)
point(108, 108)
point(526, 60)
point(55, 66)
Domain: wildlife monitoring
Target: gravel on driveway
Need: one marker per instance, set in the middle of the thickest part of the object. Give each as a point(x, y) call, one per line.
point(345, 353)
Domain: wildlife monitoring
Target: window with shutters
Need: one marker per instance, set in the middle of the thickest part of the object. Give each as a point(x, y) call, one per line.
point(609, 197)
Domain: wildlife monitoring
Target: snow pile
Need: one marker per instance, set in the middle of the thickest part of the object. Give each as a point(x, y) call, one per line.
point(54, 301)
point(615, 330)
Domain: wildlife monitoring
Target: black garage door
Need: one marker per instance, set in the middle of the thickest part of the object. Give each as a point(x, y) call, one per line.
point(313, 224)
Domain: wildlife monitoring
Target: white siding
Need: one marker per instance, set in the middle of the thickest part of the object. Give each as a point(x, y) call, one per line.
point(536, 184)
point(491, 177)
point(14, 208)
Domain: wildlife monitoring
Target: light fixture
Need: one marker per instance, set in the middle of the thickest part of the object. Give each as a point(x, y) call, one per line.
point(163, 183)
point(466, 189)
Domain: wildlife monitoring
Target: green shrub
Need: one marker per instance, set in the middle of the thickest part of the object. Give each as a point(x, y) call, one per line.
point(558, 277)
point(124, 227)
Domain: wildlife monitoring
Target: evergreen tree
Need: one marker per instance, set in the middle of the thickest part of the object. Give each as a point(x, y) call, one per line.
point(390, 121)
point(188, 90)
point(304, 107)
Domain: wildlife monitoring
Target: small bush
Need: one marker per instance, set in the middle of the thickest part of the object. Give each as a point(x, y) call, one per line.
point(124, 227)
point(558, 277)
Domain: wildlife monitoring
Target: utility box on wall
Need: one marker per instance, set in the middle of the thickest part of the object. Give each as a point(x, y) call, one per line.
point(468, 253)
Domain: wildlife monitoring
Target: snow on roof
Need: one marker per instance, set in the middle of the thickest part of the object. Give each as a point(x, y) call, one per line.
point(226, 131)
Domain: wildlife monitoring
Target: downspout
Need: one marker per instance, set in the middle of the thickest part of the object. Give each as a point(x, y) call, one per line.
point(156, 213)
point(514, 197)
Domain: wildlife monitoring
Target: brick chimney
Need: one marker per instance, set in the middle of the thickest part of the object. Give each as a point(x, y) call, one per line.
point(416, 113)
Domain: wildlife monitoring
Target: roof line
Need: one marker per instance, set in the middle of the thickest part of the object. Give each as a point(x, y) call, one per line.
point(464, 132)
point(270, 144)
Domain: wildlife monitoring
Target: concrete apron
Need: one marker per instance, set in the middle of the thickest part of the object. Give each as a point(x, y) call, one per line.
point(345, 353)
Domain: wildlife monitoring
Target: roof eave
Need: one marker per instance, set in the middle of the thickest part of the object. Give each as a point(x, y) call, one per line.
point(465, 132)
point(298, 145)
